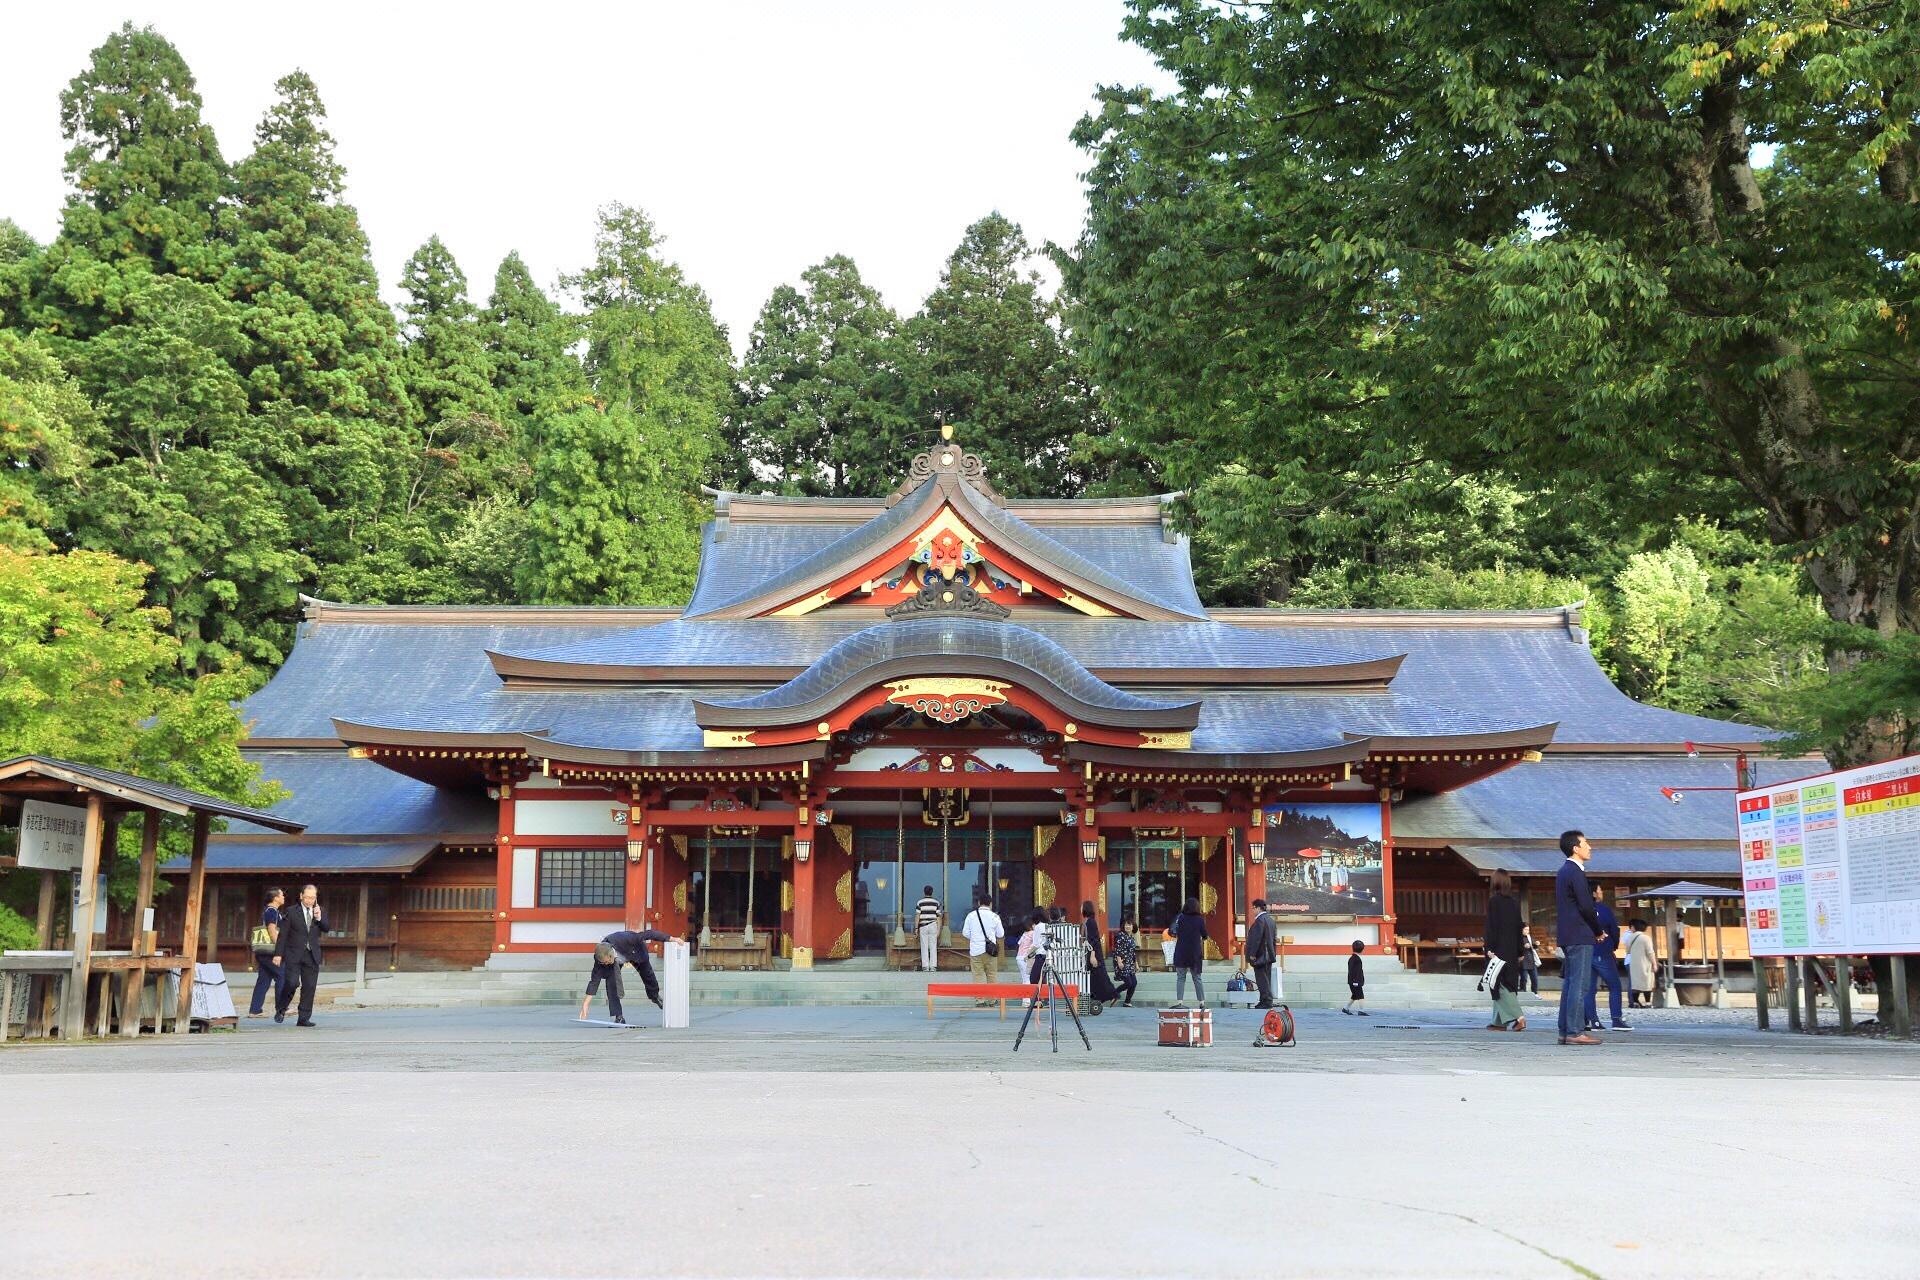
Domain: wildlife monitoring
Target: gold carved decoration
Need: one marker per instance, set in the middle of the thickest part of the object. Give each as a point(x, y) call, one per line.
point(1209, 845)
point(679, 845)
point(1043, 838)
point(1043, 890)
point(1100, 899)
point(786, 895)
point(843, 832)
point(842, 948)
point(786, 946)
point(786, 848)
point(1213, 950)
point(680, 897)
point(1157, 741)
point(1209, 898)
point(843, 891)
point(946, 699)
point(726, 737)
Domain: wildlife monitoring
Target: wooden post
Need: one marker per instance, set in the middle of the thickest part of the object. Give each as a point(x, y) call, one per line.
point(43, 918)
point(190, 931)
point(142, 899)
point(1810, 990)
point(1761, 1016)
point(1902, 1019)
point(1843, 991)
point(1792, 993)
point(73, 1013)
point(360, 948)
point(803, 912)
point(213, 922)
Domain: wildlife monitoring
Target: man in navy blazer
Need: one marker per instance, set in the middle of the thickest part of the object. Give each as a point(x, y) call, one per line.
point(1577, 926)
point(1606, 966)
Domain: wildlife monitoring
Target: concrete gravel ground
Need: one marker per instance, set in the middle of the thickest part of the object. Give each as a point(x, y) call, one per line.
point(874, 1142)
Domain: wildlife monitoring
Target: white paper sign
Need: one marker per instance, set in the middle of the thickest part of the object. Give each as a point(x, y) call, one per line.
point(51, 835)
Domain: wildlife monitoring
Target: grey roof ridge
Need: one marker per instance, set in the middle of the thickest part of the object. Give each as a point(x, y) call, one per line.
point(723, 498)
point(314, 609)
point(1557, 616)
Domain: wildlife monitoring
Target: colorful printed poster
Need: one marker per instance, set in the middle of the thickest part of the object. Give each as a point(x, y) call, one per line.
point(1324, 860)
point(1831, 864)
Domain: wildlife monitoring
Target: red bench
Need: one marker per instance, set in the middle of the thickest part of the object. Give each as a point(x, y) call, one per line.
point(1000, 991)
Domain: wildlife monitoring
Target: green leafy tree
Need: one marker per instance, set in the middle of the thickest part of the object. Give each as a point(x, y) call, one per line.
point(617, 501)
point(47, 429)
point(147, 183)
point(529, 342)
point(823, 405)
point(611, 521)
point(1361, 239)
point(87, 667)
point(985, 353)
point(168, 487)
point(448, 374)
point(318, 335)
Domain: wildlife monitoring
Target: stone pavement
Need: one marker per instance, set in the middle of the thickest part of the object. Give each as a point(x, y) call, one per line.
point(780, 1142)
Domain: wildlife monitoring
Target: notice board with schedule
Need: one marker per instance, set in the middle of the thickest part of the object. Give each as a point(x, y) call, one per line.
point(1831, 863)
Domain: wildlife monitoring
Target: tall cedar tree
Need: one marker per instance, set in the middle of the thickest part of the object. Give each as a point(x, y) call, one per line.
point(529, 339)
point(823, 406)
point(318, 335)
point(147, 181)
point(617, 504)
point(1367, 237)
point(985, 353)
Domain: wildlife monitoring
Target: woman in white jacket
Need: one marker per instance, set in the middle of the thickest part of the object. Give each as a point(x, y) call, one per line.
point(1640, 964)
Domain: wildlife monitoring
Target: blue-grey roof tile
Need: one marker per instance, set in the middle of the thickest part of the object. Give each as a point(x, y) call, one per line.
point(1658, 860)
point(931, 637)
point(319, 856)
point(1609, 797)
point(1094, 642)
point(357, 670)
point(334, 794)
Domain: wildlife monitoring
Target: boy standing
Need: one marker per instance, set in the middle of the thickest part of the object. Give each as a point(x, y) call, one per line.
point(1356, 981)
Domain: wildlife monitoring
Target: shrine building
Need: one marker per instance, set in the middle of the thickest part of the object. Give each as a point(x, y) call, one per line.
point(945, 688)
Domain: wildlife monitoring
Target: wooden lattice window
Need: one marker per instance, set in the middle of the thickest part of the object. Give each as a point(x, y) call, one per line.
point(447, 897)
point(583, 878)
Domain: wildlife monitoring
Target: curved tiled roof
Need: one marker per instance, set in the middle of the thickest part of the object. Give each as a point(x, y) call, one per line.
point(793, 579)
point(960, 645)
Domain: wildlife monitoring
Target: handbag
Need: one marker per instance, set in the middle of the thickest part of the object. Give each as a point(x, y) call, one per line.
point(1491, 976)
point(262, 940)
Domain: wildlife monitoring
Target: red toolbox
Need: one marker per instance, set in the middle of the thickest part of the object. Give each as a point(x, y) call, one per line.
point(1187, 1028)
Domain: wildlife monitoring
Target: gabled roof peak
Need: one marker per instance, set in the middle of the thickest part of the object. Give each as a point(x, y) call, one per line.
point(946, 460)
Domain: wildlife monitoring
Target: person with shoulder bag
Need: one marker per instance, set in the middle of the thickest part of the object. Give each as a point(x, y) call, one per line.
point(984, 934)
point(266, 935)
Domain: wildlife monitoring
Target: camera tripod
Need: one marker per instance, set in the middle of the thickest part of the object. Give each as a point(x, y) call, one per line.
point(1056, 992)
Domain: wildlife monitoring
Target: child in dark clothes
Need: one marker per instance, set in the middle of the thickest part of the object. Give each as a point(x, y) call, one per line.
point(1356, 981)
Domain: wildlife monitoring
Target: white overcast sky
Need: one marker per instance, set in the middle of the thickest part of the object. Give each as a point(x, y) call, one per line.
point(761, 137)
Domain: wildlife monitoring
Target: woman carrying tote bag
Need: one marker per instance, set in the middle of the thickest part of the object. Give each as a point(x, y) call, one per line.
point(1504, 927)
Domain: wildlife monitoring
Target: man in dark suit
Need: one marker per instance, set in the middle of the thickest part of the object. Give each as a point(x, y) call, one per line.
point(1260, 952)
point(297, 954)
point(1577, 927)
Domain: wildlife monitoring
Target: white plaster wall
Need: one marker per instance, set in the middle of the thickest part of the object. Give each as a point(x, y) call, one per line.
point(569, 817)
point(526, 870)
point(563, 931)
